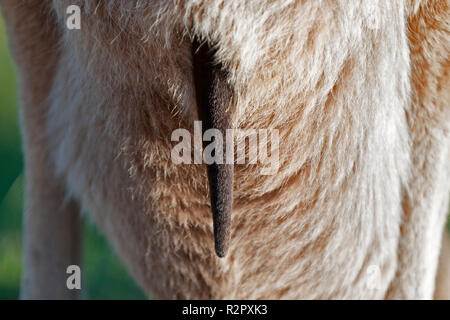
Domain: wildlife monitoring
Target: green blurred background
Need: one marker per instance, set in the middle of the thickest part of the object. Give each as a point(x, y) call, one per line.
point(105, 277)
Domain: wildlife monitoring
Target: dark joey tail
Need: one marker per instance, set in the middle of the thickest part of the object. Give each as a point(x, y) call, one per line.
point(213, 95)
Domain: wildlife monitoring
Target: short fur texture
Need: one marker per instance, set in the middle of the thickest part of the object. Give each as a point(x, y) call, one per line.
point(359, 92)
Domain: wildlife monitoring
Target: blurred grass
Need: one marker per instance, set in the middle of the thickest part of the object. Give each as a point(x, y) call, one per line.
point(105, 277)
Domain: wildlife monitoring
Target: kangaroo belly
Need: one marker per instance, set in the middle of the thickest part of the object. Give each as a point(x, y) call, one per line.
point(334, 84)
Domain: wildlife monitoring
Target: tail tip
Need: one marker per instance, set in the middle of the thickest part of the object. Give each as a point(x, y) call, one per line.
point(221, 250)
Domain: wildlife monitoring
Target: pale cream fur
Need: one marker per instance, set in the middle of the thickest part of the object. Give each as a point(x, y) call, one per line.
point(359, 91)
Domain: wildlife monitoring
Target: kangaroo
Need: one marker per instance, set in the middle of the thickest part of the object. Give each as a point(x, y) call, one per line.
point(358, 92)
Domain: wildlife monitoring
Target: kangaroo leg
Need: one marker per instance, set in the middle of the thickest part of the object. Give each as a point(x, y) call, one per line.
point(442, 291)
point(52, 223)
point(427, 193)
